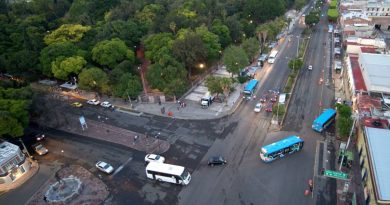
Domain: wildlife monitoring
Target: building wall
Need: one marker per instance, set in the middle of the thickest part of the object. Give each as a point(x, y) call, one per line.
point(365, 169)
point(16, 172)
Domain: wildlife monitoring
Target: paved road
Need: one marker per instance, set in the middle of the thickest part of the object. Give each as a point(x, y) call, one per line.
point(246, 179)
point(308, 100)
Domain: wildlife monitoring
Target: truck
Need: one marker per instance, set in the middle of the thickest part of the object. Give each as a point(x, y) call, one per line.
point(206, 100)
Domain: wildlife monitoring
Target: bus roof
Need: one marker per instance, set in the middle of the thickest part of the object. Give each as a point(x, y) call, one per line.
point(165, 168)
point(328, 113)
point(251, 84)
point(281, 144)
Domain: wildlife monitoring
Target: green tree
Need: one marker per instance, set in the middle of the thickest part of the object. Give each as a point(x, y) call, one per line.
point(344, 125)
point(53, 51)
point(128, 31)
point(168, 75)
point(128, 85)
point(14, 107)
point(295, 64)
point(111, 52)
point(222, 31)
point(67, 33)
point(213, 84)
point(63, 67)
point(149, 15)
point(235, 59)
point(210, 42)
point(158, 46)
point(333, 15)
point(262, 10)
point(190, 50)
point(94, 79)
point(312, 18)
point(250, 46)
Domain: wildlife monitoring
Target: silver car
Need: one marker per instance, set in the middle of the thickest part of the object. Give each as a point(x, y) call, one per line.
point(40, 149)
point(104, 167)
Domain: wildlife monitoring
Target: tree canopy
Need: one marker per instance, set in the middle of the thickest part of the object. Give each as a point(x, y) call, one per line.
point(111, 52)
point(235, 59)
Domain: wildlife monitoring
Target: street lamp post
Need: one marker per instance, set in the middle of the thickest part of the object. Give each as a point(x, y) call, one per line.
point(24, 146)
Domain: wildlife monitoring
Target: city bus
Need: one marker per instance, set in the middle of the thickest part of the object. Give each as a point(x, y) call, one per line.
point(250, 88)
point(168, 173)
point(272, 56)
point(324, 120)
point(281, 148)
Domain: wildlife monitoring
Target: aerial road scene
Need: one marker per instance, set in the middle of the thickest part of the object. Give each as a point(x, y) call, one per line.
point(118, 102)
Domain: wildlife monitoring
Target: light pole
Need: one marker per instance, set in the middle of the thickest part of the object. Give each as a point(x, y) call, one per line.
point(28, 153)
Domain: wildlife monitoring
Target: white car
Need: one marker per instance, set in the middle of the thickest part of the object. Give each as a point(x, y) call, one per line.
point(154, 158)
point(93, 102)
point(104, 167)
point(257, 107)
point(310, 67)
point(105, 104)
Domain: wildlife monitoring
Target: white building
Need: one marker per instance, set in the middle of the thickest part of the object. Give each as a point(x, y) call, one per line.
point(376, 72)
point(377, 8)
point(13, 163)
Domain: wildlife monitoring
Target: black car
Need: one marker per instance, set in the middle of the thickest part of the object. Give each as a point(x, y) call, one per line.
point(216, 160)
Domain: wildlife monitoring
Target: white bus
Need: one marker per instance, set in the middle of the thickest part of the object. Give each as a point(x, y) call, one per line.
point(168, 173)
point(272, 56)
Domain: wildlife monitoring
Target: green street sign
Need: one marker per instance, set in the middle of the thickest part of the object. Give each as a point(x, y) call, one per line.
point(337, 175)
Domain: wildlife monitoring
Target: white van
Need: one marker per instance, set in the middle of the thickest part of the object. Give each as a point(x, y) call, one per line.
point(206, 100)
point(272, 56)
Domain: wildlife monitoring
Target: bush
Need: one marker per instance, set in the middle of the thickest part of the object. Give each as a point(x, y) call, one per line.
point(282, 109)
point(289, 83)
point(242, 79)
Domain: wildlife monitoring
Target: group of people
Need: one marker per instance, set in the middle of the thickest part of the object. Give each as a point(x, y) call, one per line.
point(181, 104)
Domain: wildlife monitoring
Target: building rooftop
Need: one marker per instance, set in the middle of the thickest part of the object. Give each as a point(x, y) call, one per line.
point(357, 74)
point(367, 49)
point(7, 151)
point(378, 142)
point(376, 71)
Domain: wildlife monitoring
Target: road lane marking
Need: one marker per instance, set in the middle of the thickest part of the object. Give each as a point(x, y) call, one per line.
point(121, 167)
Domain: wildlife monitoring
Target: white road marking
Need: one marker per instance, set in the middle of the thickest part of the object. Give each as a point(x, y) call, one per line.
point(121, 167)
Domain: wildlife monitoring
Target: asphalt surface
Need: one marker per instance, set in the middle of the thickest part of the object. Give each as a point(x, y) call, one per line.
point(309, 99)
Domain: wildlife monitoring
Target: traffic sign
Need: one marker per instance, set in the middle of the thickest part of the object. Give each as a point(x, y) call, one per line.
point(337, 175)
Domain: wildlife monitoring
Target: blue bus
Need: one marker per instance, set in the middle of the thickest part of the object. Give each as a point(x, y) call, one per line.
point(281, 148)
point(250, 88)
point(324, 120)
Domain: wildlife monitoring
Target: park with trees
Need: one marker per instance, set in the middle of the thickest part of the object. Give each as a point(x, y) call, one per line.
point(97, 43)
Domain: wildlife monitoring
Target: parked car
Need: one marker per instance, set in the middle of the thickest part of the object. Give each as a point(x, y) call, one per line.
point(310, 67)
point(216, 160)
point(257, 107)
point(104, 167)
point(154, 158)
point(93, 102)
point(77, 104)
point(105, 104)
point(269, 106)
point(40, 149)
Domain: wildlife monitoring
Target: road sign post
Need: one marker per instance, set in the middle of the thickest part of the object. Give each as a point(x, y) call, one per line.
point(335, 174)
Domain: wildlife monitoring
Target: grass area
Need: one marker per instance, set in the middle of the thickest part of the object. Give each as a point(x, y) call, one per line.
point(282, 110)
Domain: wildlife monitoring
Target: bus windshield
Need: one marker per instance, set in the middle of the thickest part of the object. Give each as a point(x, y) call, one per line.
point(185, 174)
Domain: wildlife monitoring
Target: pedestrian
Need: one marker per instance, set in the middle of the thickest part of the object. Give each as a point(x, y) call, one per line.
point(178, 107)
point(44, 198)
point(159, 102)
point(185, 104)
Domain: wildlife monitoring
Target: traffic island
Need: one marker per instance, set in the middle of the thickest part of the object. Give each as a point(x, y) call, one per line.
point(71, 185)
